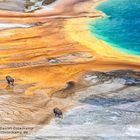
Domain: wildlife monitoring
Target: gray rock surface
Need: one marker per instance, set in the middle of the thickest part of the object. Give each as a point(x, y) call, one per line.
point(108, 110)
point(23, 5)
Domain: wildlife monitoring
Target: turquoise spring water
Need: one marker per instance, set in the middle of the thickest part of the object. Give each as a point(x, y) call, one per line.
point(121, 26)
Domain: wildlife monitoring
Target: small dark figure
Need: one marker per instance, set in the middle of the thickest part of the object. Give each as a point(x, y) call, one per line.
point(10, 80)
point(38, 23)
point(58, 112)
point(70, 85)
point(52, 60)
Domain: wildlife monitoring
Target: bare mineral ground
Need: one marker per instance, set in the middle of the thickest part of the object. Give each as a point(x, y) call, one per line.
point(50, 46)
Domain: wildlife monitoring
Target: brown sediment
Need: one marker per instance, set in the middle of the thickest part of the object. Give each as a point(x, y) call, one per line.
point(43, 58)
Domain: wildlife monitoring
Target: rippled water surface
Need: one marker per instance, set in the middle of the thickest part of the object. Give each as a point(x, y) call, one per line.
point(121, 26)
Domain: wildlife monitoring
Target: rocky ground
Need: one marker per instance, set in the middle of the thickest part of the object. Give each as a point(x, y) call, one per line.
point(109, 109)
point(23, 5)
point(13, 5)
